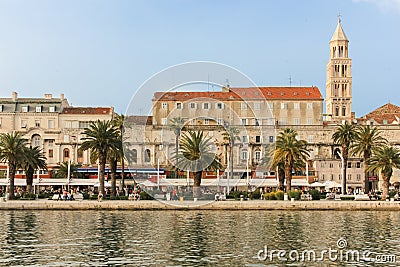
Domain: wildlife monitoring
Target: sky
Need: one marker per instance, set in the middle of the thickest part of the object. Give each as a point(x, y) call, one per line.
point(100, 52)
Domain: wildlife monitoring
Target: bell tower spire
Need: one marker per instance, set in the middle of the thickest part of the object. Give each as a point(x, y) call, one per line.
point(338, 77)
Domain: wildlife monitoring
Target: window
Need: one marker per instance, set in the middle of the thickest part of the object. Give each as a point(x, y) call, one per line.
point(0, 122)
point(164, 105)
point(192, 105)
point(84, 124)
point(52, 109)
point(258, 139)
point(323, 177)
point(51, 153)
point(258, 156)
point(358, 165)
point(211, 133)
point(296, 121)
point(271, 139)
point(66, 153)
point(311, 138)
point(331, 177)
point(257, 106)
point(310, 121)
point(309, 105)
point(244, 106)
point(179, 105)
point(283, 121)
point(219, 106)
point(296, 105)
point(206, 121)
point(243, 155)
point(340, 177)
point(284, 105)
point(349, 177)
point(80, 153)
point(331, 165)
point(220, 121)
point(344, 111)
point(36, 141)
point(243, 121)
point(25, 109)
point(349, 165)
point(39, 109)
point(23, 123)
point(68, 124)
point(1, 108)
point(37, 123)
point(245, 139)
point(164, 121)
point(206, 105)
point(270, 105)
point(358, 177)
point(147, 157)
point(257, 122)
point(51, 142)
point(50, 124)
point(134, 156)
point(66, 138)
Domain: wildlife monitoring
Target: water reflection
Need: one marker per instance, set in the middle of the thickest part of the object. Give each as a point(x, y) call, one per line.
point(187, 238)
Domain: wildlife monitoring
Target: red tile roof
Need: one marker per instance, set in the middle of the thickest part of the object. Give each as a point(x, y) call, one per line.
point(389, 113)
point(273, 93)
point(139, 120)
point(86, 110)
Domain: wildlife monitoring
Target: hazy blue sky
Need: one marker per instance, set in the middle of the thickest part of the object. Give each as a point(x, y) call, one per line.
point(99, 52)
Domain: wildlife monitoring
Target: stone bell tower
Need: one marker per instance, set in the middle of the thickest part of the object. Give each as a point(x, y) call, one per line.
point(338, 78)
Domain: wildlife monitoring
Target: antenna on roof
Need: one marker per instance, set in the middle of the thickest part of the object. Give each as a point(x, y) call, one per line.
point(290, 80)
point(227, 83)
point(208, 82)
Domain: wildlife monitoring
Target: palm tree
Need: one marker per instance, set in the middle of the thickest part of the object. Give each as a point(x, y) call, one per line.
point(101, 136)
point(113, 156)
point(195, 155)
point(367, 140)
point(12, 148)
point(176, 124)
point(34, 158)
point(118, 122)
point(231, 135)
point(383, 161)
point(344, 136)
point(61, 170)
point(290, 152)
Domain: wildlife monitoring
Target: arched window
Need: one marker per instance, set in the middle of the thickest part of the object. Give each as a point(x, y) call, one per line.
point(147, 157)
point(36, 140)
point(257, 156)
point(80, 155)
point(134, 156)
point(344, 111)
point(336, 111)
point(65, 154)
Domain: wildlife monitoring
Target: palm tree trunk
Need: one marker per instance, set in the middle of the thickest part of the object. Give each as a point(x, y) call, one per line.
point(11, 187)
point(344, 173)
point(385, 187)
point(366, 174)
point(231, 159)
point(281, 174)
point(288, 177)
point(101, 176)
point(113, 170)
point(29, 179)
point(176, 154)
point(196, 184)
point(123, 173)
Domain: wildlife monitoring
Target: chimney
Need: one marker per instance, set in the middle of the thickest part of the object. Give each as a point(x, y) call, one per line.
point(62, 96)
point(48, 96)
point(14, 96)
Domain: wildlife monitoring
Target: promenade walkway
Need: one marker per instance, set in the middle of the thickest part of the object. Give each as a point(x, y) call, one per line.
point(199, 205)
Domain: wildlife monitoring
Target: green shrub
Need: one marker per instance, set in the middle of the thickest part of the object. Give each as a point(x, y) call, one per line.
point(272, 196)
point(45, 195)
point(347, 198)
point(85, 195)
point(145, 196)
point(392, 193)
point(256, 194)
point(236, 195)
point(294, 194)
point(93, 197)
point(315, 194)
point(279, 195)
